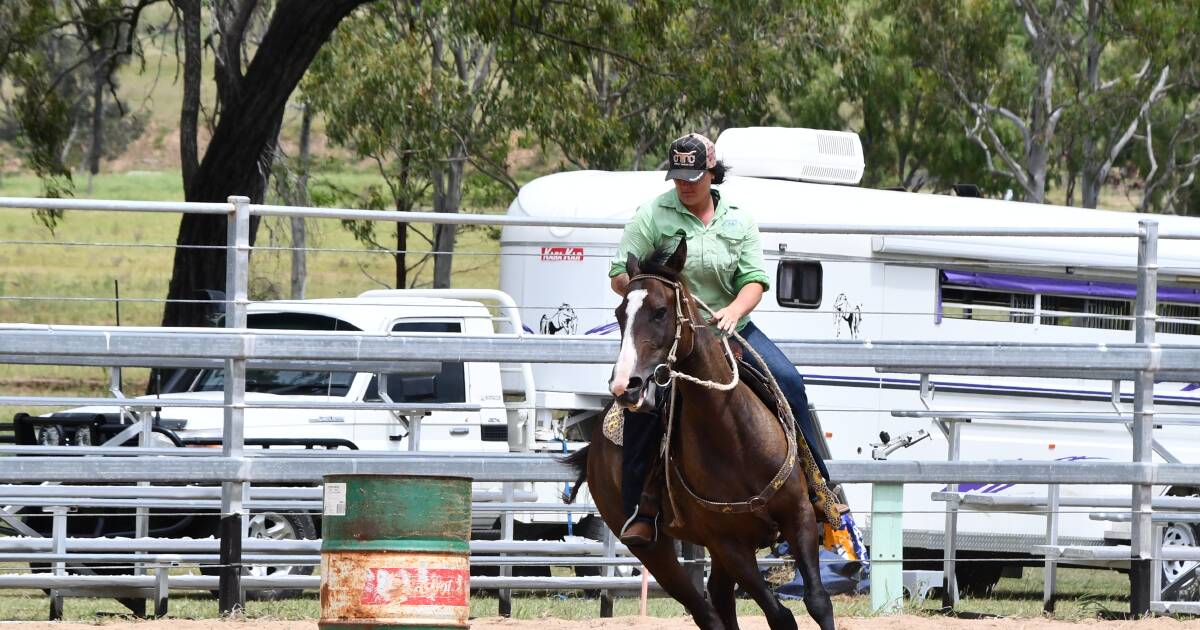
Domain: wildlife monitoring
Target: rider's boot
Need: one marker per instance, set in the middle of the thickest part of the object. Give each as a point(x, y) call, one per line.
point(642, 528)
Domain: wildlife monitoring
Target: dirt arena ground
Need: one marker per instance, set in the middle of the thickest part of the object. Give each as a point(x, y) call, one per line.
point(901, 622)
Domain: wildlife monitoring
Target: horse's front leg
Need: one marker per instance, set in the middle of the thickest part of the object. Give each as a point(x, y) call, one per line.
point(660, 559)
point(740, 562)
point(721, 594)
point(802, 537)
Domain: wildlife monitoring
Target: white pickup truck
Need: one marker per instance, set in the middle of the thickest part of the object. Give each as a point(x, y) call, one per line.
point(495, 407)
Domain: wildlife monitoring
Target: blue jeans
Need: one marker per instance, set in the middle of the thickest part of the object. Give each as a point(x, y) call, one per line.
point(790, 382)
point(643, 431)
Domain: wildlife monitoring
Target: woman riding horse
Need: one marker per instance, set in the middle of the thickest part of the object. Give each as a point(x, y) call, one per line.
point(725, 270)
point(736, 479)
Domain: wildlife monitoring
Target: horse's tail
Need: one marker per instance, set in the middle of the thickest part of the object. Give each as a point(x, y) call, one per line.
point(578, 461)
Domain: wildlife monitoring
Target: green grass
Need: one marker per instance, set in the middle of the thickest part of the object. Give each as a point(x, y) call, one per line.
point(1084, 595)
point(69, 275)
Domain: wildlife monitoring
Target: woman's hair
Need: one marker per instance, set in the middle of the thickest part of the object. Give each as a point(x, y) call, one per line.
point(718, 172)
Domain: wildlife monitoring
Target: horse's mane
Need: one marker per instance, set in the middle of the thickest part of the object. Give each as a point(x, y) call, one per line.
point(655, 263)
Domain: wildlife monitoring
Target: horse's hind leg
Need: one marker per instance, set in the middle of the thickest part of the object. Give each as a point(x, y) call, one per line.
point(721, 594)
point(663, 564)
point(806, 551)
point(742, 567)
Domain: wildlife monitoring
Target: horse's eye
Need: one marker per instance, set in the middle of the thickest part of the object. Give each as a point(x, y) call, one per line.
point(660, 313)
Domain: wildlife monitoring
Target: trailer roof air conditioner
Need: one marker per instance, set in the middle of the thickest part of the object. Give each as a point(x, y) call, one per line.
point(813, 155)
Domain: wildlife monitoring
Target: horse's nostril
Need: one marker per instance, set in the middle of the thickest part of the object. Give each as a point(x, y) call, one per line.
point(635, 384)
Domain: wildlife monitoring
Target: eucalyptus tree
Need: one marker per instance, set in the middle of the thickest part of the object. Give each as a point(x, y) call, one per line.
point(60, 59)
point(418, 92)
point(908, 125)
point(1052, 88)
point(607, 83)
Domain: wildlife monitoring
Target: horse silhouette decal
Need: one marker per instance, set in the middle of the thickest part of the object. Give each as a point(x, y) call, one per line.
point(563, 321)
point(844, 314)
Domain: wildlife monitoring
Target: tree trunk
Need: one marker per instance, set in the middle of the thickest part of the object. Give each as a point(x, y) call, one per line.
point(238, 160)
point(97, 146)
point(448, 199)
point(189, 110)
point(299, 233)
point(401, 250)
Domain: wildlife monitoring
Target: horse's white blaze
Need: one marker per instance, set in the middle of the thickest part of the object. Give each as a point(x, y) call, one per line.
point(627, 359)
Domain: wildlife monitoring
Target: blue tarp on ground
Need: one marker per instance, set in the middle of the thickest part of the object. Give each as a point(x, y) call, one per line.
point(838, 574)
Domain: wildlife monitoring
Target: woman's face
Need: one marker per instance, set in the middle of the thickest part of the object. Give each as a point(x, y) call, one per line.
point(694, 193)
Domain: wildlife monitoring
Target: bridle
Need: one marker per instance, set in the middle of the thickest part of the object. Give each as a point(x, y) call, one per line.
point(667, 370)
point(664, 373)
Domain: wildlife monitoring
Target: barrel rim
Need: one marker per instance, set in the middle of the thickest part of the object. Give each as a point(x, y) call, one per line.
point(338, 476)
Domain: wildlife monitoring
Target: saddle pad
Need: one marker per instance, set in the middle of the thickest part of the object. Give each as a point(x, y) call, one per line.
point(614, 425)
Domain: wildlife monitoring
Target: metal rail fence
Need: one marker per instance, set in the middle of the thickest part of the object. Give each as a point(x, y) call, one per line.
point(237, 347)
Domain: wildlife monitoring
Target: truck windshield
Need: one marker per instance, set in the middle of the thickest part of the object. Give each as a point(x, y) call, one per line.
point(285, 382)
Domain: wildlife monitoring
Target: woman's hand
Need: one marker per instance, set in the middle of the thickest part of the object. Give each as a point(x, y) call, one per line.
point(747, 298)
point(726, 319)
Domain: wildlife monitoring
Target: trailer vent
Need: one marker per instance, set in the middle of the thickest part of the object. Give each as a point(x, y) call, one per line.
point(813, 155)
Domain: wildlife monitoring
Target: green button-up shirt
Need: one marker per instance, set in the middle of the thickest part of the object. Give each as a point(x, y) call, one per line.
point(722, 257)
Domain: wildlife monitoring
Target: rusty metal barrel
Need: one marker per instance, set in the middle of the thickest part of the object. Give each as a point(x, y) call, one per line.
point(395, 552)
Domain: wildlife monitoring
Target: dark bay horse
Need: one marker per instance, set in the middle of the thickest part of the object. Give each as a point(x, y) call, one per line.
point(725, 447)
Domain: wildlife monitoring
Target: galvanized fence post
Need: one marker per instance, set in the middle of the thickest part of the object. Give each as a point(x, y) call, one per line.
point(1141, 534)
point(887, 547)
point(1050, 570)
point(231, 597)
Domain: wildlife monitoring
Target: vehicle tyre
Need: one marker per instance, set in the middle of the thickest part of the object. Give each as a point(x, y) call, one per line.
point(977, 579)
point(276, 526)
point(1178, 535)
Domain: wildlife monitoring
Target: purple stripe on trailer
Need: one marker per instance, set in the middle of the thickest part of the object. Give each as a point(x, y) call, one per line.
point(1063, 286)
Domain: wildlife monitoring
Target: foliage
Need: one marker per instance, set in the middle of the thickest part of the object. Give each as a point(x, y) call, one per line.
point(909, 127)
point(61, 58)
point(1058, 91)
point(409, 87)
point(609, 83)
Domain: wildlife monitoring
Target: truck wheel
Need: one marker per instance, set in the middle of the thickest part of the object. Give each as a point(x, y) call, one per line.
point(1178, 535)
point(276, 526)
point(977, 579)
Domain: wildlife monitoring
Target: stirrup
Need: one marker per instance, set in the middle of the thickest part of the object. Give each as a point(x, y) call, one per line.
point(638, 541)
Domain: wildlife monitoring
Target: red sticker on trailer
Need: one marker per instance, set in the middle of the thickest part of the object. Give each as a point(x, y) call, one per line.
point(562, 253)
point(415, 586)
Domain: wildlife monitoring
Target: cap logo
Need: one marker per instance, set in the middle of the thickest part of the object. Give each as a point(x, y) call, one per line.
point(685, 158)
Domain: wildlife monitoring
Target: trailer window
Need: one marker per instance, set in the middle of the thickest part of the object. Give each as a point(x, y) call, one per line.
point(448, 386)
point(1061, 302)
point(798, 284)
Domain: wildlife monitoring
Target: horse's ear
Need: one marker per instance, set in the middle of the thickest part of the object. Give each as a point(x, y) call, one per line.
point(675, 262)
point(632, 266)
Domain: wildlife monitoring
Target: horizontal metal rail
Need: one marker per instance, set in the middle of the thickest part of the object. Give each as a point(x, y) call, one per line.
point(115, 205)
point(84, 341)
point(615, 224)
point(1182, 376)
point(1043, 416)
point(200, 403)
point(413, 368)
point(266, 545)
point(531, 467)
point(1005, 502)
point(308, 582)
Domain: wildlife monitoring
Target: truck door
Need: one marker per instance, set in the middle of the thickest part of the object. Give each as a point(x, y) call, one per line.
point(440, 430)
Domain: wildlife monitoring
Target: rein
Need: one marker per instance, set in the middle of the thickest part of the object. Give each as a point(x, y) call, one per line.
point(758, 501)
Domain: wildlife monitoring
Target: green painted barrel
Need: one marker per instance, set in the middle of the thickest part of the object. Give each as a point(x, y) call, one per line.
point(395, 552)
